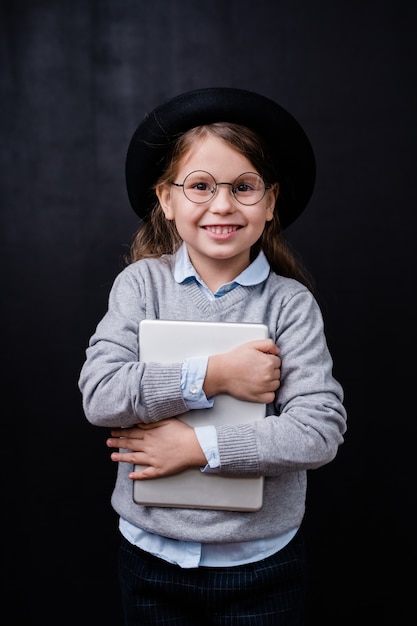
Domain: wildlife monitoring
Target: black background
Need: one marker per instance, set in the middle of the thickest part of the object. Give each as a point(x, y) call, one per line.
point(76, 79)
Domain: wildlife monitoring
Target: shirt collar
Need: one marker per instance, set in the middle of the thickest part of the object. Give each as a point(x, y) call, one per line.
point(256, 273)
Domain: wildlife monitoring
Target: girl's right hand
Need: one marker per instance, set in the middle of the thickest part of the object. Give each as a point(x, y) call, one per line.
point(249, 372)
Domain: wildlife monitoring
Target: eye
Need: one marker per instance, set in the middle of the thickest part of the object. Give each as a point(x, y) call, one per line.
point(248, 184)
point(201, 183)
point(201, 186)
point(244, 188)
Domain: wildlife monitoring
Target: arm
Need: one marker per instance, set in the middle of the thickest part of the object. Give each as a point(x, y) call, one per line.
point(305, 426)
point(117, 389)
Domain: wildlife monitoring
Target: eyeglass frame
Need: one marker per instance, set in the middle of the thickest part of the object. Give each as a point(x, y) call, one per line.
point(267, 186)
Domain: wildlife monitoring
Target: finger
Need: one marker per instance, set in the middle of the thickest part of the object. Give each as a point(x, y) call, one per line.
point(134, 458)
point(113, 442)
point(124, 442)
point(276, 361)
point(144, 474)
point(264, 345)
point(271, 347)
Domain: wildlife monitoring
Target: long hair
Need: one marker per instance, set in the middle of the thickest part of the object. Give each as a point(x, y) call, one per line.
point(158, 236)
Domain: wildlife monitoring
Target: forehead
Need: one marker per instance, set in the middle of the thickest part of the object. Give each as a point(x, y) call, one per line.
point(214, 155)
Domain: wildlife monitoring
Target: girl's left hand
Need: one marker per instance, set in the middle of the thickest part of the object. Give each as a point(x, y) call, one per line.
point(165, 447)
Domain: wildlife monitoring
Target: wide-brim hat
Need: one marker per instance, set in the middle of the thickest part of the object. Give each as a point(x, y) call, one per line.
point(287, 143)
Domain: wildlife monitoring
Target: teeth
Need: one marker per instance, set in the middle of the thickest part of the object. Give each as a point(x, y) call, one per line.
point(221, 230)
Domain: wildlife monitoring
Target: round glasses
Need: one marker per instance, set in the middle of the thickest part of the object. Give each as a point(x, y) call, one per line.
point(200, 187)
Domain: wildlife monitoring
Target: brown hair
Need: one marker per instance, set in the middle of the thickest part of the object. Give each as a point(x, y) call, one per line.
point(158, 236)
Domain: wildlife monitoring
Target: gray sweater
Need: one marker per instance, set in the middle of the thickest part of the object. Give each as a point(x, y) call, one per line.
point(302, 430)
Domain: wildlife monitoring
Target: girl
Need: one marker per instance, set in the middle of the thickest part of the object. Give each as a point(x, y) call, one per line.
point(216, 175)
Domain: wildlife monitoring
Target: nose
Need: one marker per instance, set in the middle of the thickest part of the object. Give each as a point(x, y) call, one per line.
point(223, 200)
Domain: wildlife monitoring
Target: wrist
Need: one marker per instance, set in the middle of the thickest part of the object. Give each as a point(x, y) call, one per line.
point(214, 383)
point(197, 456)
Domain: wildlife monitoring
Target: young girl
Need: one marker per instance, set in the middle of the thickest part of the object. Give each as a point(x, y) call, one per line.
point(215, 175)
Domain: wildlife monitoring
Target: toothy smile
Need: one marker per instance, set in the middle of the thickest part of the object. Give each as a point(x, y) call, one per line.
point(221, 230)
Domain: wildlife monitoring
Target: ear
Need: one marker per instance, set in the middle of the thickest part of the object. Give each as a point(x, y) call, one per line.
point(163, 193)
point(272, 200)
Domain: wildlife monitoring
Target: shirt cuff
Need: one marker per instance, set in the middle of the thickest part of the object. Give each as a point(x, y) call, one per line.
point(207, 438)
point(193, 373)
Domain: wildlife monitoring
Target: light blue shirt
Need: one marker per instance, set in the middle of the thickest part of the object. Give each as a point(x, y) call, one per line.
point(189, 554)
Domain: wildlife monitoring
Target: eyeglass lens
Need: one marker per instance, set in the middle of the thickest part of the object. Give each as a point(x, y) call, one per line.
point(200, 186)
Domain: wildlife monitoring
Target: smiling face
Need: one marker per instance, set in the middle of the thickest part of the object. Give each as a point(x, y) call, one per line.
point(220, 232)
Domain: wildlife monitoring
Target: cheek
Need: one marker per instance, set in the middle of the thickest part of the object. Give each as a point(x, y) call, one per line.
point(185, 220)
point(265, 217)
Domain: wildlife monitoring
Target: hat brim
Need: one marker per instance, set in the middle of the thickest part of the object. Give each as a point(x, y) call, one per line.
point(288, 145)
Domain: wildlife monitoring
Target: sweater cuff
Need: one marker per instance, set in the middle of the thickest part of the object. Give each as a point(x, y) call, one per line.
point(237, 449)
point(161, 390)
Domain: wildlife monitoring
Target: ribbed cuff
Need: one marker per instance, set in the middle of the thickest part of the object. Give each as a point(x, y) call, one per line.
point(161, 389)
point(237, 448)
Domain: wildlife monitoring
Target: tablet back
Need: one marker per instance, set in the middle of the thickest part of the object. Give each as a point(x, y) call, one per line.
point(169, 341)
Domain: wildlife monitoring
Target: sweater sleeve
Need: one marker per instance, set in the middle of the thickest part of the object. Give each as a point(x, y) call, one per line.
point(305, 427)
point(118, 390)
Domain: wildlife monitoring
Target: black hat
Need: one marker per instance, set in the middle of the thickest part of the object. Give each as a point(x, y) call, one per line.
point(288, 145)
